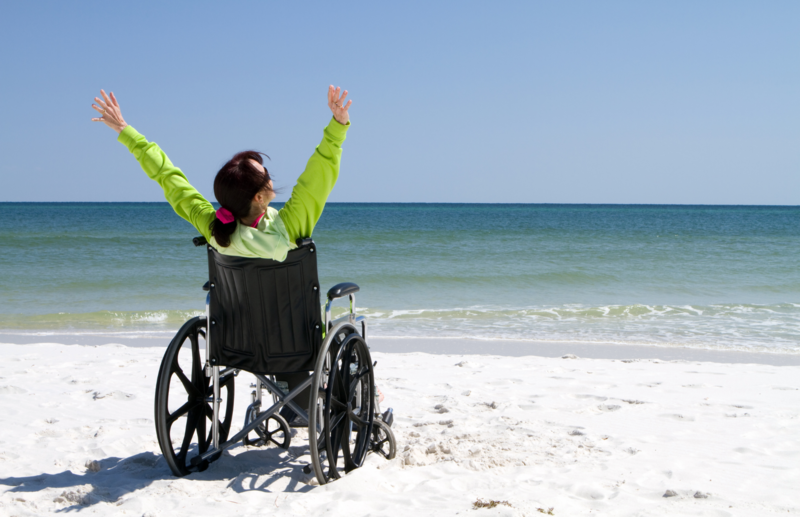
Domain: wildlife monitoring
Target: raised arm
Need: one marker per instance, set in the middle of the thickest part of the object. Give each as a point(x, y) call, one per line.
point(185, 199)
point(304, 208)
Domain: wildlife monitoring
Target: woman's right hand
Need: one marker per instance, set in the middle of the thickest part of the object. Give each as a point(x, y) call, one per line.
point(110, 113)
point(338, 107)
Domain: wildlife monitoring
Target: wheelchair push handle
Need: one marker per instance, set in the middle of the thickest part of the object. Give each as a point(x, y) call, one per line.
point(341, 290)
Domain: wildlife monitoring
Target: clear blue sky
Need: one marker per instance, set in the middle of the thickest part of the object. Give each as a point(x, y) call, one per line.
point(533, 102)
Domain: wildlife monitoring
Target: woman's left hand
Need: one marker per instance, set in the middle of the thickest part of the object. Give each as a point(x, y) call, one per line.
point(336, 103)
point(110, 112)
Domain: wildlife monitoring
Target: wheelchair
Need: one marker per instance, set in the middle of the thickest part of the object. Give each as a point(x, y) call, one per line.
point(263, 317)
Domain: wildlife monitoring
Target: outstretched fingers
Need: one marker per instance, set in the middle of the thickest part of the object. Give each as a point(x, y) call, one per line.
point(99, 110)
point(108, 108)
point(331, 98)
point(105, 97)
point(336, 97)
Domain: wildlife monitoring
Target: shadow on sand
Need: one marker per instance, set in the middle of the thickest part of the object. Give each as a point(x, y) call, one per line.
point(248, 470)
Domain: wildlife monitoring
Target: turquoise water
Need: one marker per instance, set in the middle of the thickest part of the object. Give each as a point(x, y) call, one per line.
point(701, 276)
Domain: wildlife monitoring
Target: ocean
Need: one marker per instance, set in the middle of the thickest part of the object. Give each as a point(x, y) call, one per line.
point(711, 277)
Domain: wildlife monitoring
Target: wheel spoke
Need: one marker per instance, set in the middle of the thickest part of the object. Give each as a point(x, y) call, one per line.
point(202, 436)
point(197, 365)
point(337, 404)
point(342, 380)
point(336, 420)
point(191, 425)
point(357, 377)
point(181, 411)
point(357, 420)
point(333, 451)
point(190, 388)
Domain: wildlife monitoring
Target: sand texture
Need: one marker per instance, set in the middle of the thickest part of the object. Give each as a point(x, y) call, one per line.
point(477, 435)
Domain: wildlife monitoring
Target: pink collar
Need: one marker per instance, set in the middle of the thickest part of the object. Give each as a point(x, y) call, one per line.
point(255, 224)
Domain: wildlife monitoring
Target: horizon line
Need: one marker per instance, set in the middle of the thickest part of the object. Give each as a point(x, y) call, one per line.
point(426, 203)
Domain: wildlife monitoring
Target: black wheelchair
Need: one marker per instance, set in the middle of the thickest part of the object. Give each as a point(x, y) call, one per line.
point(264, 317)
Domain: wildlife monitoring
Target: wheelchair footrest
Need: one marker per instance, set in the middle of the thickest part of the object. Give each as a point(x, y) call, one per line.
point(388, 417)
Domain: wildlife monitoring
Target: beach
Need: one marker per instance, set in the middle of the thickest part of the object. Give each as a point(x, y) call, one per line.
point(477, 434)
point(539, 359)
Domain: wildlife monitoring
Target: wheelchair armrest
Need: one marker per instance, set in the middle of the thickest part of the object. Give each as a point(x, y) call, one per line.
point(343, 289)
point(199, 241)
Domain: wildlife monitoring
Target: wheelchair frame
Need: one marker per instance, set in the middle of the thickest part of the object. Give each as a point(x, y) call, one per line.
point(343, 399)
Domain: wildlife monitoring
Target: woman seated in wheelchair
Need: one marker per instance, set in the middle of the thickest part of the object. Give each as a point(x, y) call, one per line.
point(244, 225)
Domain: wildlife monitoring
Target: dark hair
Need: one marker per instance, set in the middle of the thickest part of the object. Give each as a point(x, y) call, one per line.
point(235, 186)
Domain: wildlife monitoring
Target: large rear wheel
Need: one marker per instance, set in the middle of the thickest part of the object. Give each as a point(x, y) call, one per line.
point(183, 405)
point(342, 411)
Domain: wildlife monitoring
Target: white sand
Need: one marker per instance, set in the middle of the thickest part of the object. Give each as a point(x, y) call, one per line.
point(581, 436)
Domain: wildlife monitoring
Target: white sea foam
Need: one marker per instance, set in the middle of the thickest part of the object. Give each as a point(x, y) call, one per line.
point(721, 327)
point(749, 327)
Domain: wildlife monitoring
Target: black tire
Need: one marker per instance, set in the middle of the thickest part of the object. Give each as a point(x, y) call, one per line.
point(383, 442)
point(356, 390)
point(342, 413)
point(182, 414)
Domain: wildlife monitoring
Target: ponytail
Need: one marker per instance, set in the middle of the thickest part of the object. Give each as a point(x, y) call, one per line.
point(222, 232)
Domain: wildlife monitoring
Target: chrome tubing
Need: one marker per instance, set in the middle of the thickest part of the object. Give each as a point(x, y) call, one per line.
point(328, 316)
point(363, 321)
point(215, 423)
point(283, 398)
point(329, 322)
point(252, 425)
point(208, 331)
point(255, 403)
point(257, 392)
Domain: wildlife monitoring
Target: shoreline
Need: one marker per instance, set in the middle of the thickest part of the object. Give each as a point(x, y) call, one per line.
point(458, 346)
point(513, 348)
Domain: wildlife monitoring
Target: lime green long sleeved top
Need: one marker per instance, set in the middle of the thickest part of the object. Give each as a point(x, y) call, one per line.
point(277, 231)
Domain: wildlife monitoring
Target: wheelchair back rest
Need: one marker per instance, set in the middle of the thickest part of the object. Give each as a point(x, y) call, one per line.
point(265, 315)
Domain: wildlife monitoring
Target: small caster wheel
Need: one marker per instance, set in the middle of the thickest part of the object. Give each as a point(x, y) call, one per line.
point(273, 430)
point(382, 441)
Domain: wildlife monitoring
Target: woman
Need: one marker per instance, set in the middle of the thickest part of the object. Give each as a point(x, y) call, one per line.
point(244, 225)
